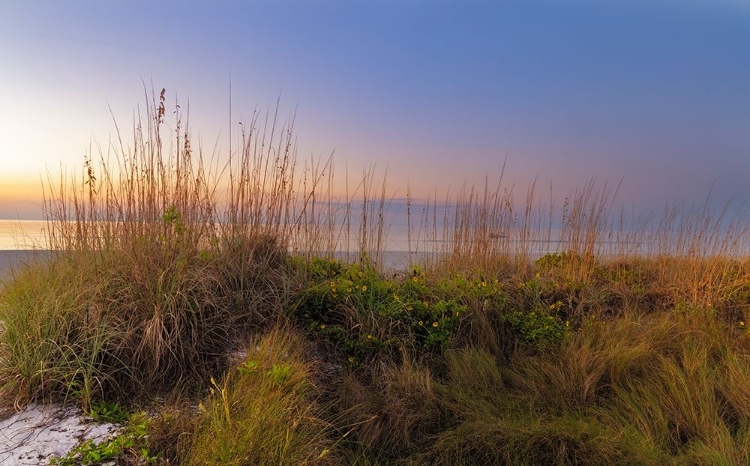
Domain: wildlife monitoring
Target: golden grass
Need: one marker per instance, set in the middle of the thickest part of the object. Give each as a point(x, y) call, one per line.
point(164, 262)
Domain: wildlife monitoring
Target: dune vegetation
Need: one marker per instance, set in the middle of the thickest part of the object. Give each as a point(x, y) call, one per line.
point(240, 312)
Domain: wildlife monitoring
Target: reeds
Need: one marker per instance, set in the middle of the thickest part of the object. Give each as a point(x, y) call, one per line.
point(159, 193)
point(522, 332)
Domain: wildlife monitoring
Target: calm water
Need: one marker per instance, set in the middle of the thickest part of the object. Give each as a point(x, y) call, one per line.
point(21, 234)
point(26, 235)
point(29, 235)
point(18, 239)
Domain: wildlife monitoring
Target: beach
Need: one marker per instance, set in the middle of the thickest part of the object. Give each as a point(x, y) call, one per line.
point(13, 260)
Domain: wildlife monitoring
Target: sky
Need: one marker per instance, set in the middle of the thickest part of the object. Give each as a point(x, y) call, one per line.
point(654, 94)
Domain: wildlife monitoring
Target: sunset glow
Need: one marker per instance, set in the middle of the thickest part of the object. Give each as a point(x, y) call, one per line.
point(436, 94)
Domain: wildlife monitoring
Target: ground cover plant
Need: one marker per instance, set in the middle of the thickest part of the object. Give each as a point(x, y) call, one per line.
point(259, 304)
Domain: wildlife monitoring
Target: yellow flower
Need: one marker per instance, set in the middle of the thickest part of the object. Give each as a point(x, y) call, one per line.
point(434, 324)
point(351, 359)
point(348, 290)
point(537, 275)
point(333, 285)
point(421, 323)
point(742, 323)
point(426, 304)
point(369, 337)
point(484, 284)
point(567, 323)
point(415, 279)
point(364, 287)
point(322, 326)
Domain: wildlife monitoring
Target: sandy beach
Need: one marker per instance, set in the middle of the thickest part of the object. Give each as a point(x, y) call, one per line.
point(41, 432)
point(11, 260)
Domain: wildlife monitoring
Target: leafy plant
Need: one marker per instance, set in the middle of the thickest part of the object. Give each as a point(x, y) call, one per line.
point(107, 411)
point(540, 327)
point(364, 313)
point(279, 373)
point(130, 442)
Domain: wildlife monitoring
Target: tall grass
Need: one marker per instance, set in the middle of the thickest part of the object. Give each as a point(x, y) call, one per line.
point(523, 332)
point(149, 250)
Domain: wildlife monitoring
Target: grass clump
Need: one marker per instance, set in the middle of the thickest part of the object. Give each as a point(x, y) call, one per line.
point(633, 390)
point(264, 411)
point(108, 324)
point(146, 289)
point(50, 346)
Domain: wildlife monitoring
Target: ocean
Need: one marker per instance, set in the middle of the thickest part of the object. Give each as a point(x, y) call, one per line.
point(23, 240)
point(20, 238)
point(21, 234)
point(20, 242)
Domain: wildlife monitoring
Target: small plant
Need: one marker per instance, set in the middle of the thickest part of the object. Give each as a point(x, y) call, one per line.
point(107, 411)
point(173, 218)
point(248, 367)
point(279, 373)
point(539, 327)
point(130, 442)
point(535, 317)
point(553, 260)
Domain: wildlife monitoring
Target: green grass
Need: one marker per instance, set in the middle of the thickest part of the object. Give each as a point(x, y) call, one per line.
point(264, 411)
point(166, 265)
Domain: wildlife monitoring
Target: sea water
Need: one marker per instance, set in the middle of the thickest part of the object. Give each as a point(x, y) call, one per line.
point(398, 248)
point(21, 234)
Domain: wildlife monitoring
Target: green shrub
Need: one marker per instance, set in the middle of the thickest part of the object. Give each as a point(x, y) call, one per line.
point(364, 314)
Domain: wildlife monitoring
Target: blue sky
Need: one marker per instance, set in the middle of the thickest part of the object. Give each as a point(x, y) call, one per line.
point(656, 93)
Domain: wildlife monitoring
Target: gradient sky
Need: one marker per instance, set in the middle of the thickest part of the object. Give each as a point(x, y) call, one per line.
point(656, 93)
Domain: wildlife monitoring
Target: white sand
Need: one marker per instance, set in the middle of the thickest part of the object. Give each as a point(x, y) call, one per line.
point(41, 432)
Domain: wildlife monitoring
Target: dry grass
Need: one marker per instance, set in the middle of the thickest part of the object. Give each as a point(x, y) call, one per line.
point(585, 335)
